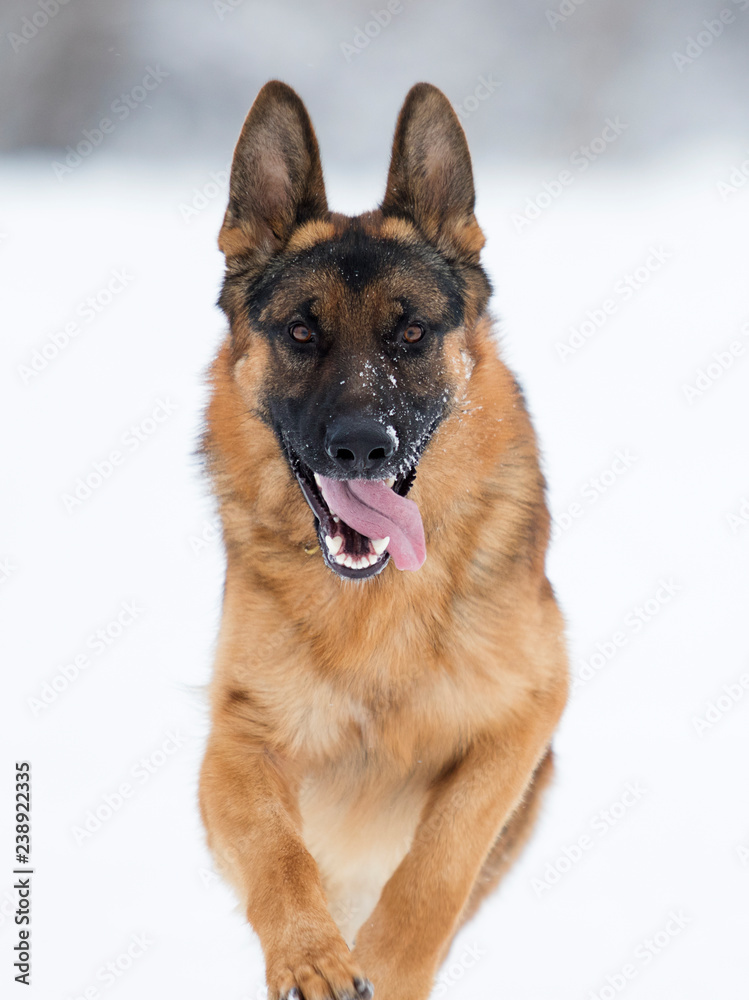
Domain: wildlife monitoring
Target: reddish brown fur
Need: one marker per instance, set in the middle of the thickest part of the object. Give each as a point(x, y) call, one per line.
point(371, 740)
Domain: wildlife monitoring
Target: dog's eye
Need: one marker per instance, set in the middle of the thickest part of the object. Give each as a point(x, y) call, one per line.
point(300, 333)
point(413, 333)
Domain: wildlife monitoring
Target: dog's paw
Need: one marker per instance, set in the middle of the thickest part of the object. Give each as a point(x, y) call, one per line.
point(321, 976)
point(362, 990)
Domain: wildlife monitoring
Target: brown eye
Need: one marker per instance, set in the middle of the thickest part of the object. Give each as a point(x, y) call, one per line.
point(413, 333)
point(300, 333)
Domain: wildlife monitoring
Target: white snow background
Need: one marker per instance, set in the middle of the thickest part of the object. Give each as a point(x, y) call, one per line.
point(679, 845)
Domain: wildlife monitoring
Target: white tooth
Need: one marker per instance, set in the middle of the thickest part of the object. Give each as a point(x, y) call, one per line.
point(336, 518)
point(348, 561)
point(317, 479)
point(372, 558)
point(341, 558)
point(380, 544)
point(390, 482)
point(334, 544)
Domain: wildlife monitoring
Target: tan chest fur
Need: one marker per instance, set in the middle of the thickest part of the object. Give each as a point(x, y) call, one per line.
point(358, 829)
point(368, 753)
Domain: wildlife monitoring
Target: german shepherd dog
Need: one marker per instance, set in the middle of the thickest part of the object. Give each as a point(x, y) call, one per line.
point(391, 662)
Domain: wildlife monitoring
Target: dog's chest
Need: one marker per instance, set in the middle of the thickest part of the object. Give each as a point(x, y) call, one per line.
point(371, 766)
point(358, 825)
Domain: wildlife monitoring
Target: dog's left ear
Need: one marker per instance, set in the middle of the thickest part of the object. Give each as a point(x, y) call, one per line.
point(276, 176)
point(430, 180)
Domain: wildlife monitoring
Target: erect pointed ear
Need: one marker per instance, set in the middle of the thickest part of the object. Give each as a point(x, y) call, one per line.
point(276, 176)
point(430, 180)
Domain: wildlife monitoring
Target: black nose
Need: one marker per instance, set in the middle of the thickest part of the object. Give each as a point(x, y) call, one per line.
point(359, 445)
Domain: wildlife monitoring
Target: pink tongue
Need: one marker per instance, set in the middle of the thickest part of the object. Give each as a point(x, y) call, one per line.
point(374, 510)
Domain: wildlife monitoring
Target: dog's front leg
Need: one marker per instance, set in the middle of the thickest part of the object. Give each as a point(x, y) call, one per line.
point(405, 939)
point(249, 808)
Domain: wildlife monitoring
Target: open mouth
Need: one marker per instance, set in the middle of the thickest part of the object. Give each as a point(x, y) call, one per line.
point(383, 522)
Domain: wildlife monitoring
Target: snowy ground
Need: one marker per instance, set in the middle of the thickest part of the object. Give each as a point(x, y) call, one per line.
point(636, 881)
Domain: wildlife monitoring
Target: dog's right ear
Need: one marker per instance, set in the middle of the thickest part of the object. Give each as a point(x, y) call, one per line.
point(276, 175)
point(430, 180)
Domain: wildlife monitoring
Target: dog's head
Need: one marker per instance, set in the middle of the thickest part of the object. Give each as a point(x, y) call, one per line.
point(349, 336)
